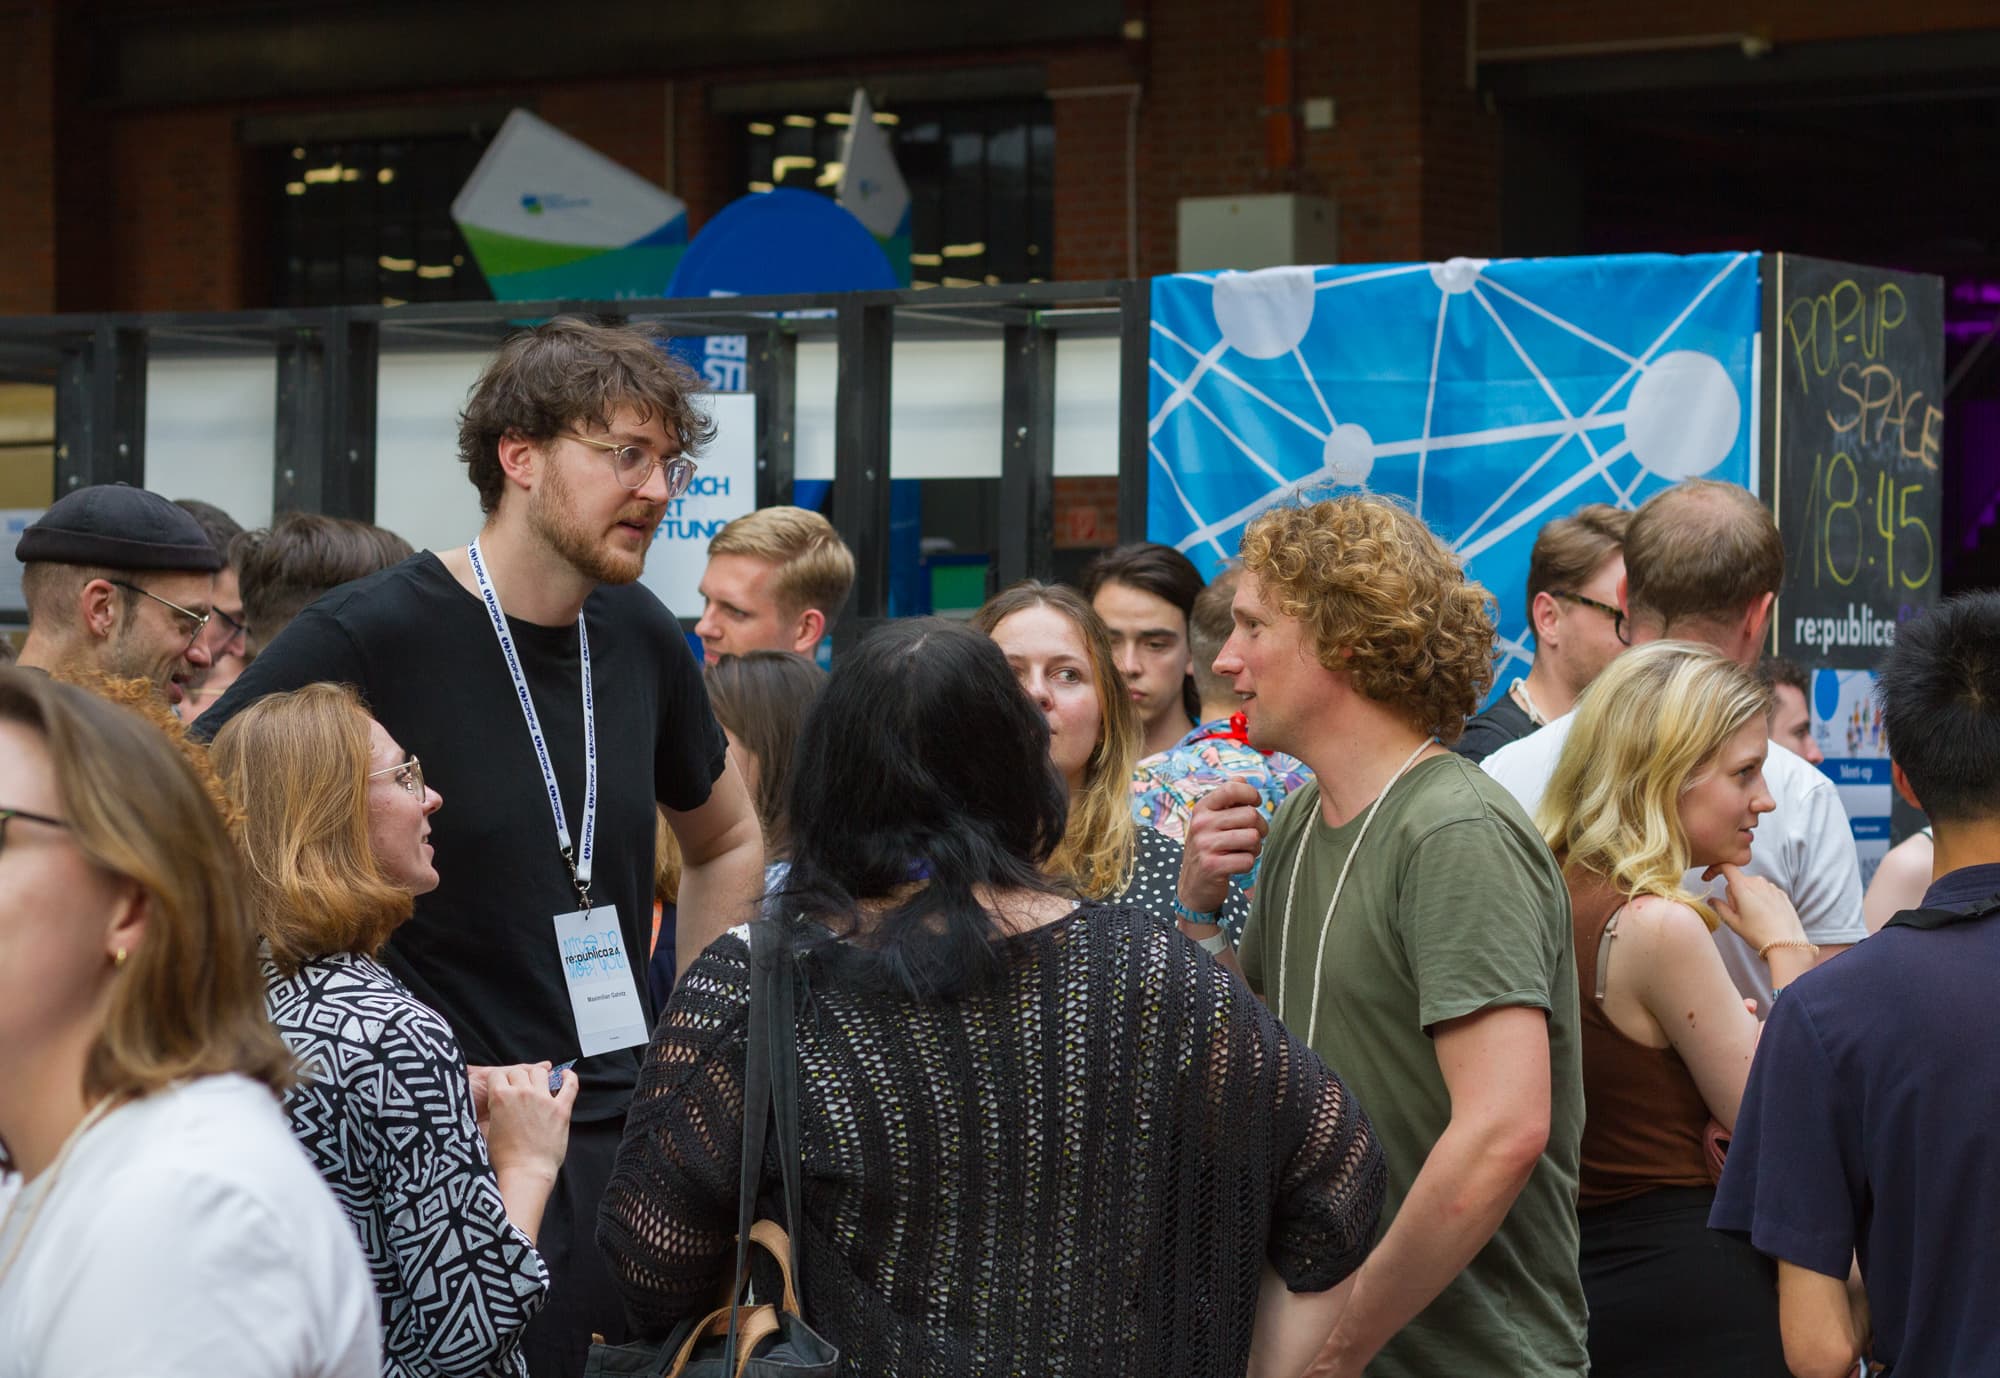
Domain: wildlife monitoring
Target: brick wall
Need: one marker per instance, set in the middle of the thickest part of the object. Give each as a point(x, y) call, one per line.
point(158, 210)
point(178, 231)
point(1539, 23)
point(27, 160)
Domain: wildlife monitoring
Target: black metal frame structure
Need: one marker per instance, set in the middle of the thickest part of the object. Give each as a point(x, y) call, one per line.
point(328, 360)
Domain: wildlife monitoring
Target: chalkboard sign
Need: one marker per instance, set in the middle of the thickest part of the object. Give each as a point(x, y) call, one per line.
point(1856, 389)
point(1853, 389)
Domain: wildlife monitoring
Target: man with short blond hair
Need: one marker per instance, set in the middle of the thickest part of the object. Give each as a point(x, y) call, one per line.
point(776, 580)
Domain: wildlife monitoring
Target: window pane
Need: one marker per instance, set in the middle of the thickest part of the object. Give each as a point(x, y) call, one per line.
point(361, 223)
point(980, 180)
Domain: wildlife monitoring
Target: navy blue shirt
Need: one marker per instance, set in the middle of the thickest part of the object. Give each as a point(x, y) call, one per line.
point(1870, 1124)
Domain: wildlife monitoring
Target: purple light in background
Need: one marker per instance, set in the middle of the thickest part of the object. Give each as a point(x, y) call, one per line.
point(1978, 444)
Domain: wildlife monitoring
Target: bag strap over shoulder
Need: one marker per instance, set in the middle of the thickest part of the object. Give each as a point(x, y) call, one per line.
point(784, 1072)
point(770, 1092)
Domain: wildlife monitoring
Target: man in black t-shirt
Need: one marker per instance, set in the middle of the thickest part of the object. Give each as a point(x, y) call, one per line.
point(534, 945)
point(1574, 573)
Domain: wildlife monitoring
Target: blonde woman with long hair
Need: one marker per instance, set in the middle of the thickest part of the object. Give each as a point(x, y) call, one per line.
point(1663, 772)
point(1060, 651)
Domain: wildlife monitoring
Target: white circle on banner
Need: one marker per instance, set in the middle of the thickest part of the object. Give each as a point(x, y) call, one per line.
point(1457, 275)
point(1683, 416)
point(1350, 455)
point(1264, 315)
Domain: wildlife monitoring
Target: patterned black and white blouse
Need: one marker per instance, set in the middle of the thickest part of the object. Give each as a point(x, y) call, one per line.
point(1156, 875)
point(385, 1114)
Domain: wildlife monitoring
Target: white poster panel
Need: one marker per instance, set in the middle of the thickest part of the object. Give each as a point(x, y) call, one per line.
point(211, 428)
point(13, 521)
point(724, 488)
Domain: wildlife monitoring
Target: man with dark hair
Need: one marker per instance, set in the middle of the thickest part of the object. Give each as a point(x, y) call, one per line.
point(1145, 593)
point(1165, 788)
point(1703, 562)
point(1870, 1124)
point(1791, 707)
point(1573, 577)
point(303, 555)
point(227, 635)
point(554, 704)
point(1412, 927)
point(118, 581)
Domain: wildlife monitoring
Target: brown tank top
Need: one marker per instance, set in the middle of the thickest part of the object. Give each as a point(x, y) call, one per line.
point(1643, 1114)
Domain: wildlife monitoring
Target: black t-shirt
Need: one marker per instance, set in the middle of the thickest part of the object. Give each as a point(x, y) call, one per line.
point(481, 948)
point(1506, 721)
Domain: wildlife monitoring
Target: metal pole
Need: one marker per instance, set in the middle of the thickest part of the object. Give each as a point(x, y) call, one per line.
point(325, 437)
point(101, 409)
point(1027, 455)
point(1134, 342)
point(774, 378)
point(861, 455)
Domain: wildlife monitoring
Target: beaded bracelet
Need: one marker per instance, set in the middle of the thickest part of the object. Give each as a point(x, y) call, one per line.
point(1215, 943)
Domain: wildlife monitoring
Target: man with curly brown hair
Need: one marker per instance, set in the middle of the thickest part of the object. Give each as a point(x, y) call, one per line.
point(554, 703)
point(1411, 924)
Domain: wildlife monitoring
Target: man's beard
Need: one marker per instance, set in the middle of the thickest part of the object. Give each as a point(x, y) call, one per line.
point(553, 517)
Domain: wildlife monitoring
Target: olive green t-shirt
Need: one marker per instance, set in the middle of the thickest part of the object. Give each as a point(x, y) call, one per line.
point(1452, 905)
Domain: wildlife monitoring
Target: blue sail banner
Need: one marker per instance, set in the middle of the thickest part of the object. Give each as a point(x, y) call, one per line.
point(1491, 396)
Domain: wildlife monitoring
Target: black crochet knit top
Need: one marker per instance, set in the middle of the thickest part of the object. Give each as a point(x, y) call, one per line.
point(1080, 1169)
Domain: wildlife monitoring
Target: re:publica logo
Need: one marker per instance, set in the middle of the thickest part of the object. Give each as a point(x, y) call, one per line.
point(1864, 629)
point(535, 205)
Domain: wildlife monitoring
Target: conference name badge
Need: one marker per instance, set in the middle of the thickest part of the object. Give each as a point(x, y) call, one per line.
point(603, 995)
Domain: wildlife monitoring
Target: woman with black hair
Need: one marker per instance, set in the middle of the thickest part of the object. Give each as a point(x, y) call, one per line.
point(1038, 1136)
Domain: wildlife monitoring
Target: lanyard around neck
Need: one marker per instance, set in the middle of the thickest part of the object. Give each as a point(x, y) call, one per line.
point(579, 856)
point(1326, 926)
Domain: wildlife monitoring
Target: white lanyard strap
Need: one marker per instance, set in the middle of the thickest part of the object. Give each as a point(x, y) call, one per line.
point(1285, 931)
point(579, 857)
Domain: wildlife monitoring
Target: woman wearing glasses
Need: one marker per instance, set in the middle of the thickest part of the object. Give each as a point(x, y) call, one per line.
point(155, 1217)
point(337, 820)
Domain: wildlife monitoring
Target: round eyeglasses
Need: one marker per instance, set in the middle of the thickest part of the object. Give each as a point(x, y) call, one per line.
point(409, 774)
point(634, 465)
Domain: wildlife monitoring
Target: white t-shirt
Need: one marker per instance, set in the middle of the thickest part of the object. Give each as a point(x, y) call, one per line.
point(1805, 847)
point(186, 1237)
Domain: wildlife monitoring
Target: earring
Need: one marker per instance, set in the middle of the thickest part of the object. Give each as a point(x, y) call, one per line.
point(118, 958)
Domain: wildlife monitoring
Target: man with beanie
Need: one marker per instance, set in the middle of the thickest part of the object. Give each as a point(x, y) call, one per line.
point(118, 581)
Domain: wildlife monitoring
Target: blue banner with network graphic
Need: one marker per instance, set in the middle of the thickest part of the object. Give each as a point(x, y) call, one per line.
point(1492, 396)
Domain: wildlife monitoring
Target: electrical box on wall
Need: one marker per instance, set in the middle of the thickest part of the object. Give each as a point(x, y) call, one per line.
point(1264, 231)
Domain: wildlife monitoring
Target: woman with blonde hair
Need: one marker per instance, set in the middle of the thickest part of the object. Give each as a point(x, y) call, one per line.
point(336, 818)
point(1060, 651)
point(1663, 772)
point(155, 1215)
